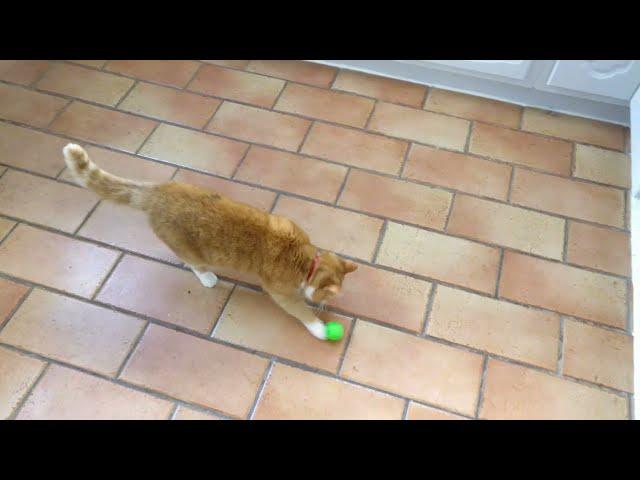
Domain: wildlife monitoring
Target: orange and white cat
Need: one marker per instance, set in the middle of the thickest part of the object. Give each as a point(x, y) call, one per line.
point(207, 230)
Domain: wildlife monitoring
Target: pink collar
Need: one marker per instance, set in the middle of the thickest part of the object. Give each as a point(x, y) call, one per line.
point(314, 267)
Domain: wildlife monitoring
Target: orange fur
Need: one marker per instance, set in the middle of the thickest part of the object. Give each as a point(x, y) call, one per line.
point(207, 231)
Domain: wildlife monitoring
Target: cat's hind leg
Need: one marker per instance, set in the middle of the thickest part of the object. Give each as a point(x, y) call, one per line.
point(208, 279)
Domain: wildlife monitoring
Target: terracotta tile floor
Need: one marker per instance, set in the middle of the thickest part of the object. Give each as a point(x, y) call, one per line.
point(493, 242)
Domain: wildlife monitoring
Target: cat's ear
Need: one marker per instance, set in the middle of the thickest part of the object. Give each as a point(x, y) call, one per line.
point(349, 266)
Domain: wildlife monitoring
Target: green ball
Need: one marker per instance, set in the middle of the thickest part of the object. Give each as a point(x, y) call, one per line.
point(335, 331)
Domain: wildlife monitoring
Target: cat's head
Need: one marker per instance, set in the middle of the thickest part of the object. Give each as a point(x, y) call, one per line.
point(326, 281)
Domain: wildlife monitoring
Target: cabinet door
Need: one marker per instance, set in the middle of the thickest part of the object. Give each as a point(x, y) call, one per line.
point(613, 79)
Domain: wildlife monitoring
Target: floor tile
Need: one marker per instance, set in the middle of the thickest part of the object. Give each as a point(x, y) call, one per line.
point(106, 127)
point(414, 367)
point(458, 171)
point(43, 201)
point(598, 355)
point(450, 259)
point(252, 320)
point(66, 264)
point(420, 126)
point(65, 394)
point(396, 199)
point(292, 173)
point(293, 394)
point(355, 148)
point(167, 293)
point(196, 370)
point(513, 392)
point(170, 105)
point(295, 71)
point(574, 291)
point(382, 88)
point(259, 126)
point(196, 150)
point(18, 372)
point(324, 104)
point(72, 331)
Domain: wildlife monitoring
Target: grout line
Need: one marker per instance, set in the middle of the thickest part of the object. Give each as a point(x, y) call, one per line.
point(9, 317)
point(41, 76)
point(448, 217)
point(428, 309)
point(373, 109)
point(500, 268)
point(629, 306)
point(16, 411)
point(627, 210)
point(335, 79)
point(107, 276)
point(405, 411)
point(277, 99)
point(304, 138)
point(472, 124)
point(263, 384)
point(86, 218)
point(565, 243)
point(342, 186)
point(172, 414)
point(217, 321)
point(381, 236)
point(521, 122)
point(512, 176)
point(275, 202)
point(59, 174)
point(561, 334)
point(195, 74)
point(572, 172)
point(483, 378)
point(153, 130)
point(405, 159)
point(174, 175)
point(117, 105)
point(207, 124)
point(426, 97)
point(134, 346)
point(17, 222)
point(237, 169)
point(347, 344)
point(57, 115)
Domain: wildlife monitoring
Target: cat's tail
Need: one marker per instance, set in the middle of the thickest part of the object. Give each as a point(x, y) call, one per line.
point(110, 187)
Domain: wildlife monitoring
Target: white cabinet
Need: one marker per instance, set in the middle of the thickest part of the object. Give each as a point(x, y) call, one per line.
point(616, 79)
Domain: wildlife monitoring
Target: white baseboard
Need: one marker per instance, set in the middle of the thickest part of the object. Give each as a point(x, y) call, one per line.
point(488, 88)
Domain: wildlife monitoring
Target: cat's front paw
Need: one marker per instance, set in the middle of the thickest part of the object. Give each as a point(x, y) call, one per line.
point(208, 279)
point(318, 330)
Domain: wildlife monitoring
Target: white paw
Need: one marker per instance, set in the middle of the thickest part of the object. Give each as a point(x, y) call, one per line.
point(317, 329)
point(208, 279)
